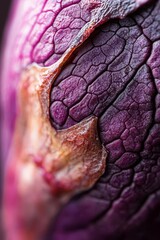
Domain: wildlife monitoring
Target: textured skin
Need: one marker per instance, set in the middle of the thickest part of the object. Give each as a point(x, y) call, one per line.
point(124, 56)
point(115, 76)
point(41, 31)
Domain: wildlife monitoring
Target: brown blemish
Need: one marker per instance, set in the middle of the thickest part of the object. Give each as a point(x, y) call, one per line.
point(48, 167)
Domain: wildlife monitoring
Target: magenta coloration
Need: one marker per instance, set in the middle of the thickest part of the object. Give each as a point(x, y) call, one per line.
point(37, 35)
point(114, 76)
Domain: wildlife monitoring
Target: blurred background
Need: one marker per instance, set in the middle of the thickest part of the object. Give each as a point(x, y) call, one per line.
point(4, 9)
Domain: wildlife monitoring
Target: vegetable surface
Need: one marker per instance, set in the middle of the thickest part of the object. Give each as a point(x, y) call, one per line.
point(112, 76)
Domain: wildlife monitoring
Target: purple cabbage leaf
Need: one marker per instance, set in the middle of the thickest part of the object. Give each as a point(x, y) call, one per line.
point(109, 78)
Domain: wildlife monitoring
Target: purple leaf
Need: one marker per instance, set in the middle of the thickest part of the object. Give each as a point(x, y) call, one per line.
point(111, 72)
